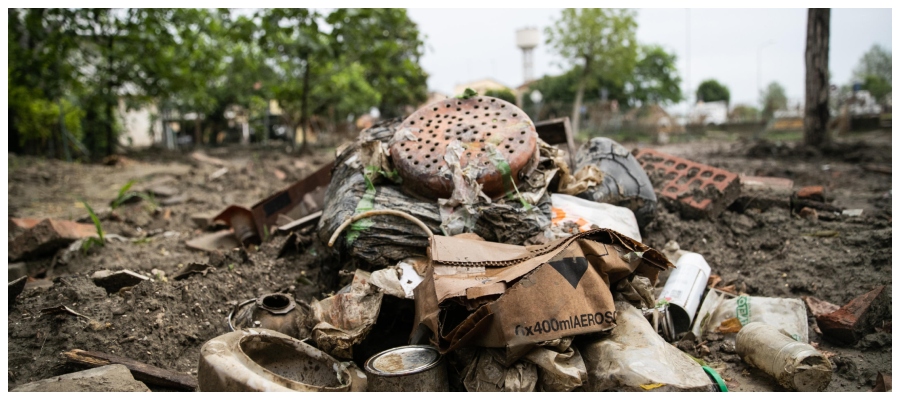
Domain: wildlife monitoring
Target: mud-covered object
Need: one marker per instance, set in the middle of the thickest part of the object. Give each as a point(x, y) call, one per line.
point(383, 240)
point(624, 184)
point(634, 358)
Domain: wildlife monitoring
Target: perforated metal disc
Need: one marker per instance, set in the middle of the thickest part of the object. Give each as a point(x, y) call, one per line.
point(476, 123)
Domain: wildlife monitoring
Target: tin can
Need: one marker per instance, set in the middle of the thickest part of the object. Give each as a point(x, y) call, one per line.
point(414, 368)
point(684, 289)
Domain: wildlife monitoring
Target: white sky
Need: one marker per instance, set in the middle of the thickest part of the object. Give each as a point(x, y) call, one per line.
point(463, 45)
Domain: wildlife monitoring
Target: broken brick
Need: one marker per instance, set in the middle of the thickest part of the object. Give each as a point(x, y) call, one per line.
point(855, 319)
point(816, 193)
point(818, 307)
point(47, 236)
point(695, 190)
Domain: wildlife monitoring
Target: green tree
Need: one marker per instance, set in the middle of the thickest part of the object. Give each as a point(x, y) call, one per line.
point(772, 99)
point(877, 86)
point(600, 41)
point(875, 62)
point(655, 78)
point(388, 46)
point(299, 50)
point(503, 94)
point(711, 90)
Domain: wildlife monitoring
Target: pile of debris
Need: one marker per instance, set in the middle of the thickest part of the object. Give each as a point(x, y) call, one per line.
point(492, 255)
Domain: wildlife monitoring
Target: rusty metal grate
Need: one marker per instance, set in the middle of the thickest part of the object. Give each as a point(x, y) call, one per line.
point(475, 122)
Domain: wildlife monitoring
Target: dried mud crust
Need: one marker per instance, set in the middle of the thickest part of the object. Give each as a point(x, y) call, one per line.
point(771, 253)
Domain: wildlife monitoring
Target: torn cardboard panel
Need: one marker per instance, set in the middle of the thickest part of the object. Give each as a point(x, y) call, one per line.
point(527, 295)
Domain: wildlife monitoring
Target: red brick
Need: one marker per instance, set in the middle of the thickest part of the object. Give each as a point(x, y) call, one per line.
point(855, 319)
point(816, 193)
point(695, 190)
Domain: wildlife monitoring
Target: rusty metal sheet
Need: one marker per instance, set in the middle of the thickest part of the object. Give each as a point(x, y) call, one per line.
point(478, 123)
point(251, 224)
point(558, 131)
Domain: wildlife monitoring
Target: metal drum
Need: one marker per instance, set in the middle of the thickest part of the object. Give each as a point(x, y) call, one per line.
point(497, 138)
point(415, 368)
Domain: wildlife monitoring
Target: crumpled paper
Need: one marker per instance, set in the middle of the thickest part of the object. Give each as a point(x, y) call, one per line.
point(560, 366)
point(459, 213)
point(486, 374)
point(343, 320)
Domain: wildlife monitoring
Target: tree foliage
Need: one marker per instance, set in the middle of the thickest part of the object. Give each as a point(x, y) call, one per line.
point(711, 90)
point(503, 94)
point(318, 65)
point(875, 62)
point(655, 78)
point(772, 98)
point(601, 41)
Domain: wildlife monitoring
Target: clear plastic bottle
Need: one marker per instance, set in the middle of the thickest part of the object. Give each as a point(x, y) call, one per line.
point(795, 365)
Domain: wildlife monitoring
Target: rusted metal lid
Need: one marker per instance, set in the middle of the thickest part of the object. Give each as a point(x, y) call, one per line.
point(403, 360)
point(497, 138)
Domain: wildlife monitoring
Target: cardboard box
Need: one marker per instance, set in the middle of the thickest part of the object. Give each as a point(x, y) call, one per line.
point(498, 295)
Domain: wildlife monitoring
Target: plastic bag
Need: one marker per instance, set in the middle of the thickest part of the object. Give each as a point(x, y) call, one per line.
point(635, 358)
point(587, 215)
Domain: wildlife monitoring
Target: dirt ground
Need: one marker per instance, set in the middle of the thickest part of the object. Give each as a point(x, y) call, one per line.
point(164, 322)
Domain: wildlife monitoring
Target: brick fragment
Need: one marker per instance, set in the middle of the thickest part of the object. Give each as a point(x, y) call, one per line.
point(855, 319)
point(695, 190)
point(47, 236)
point(816, 193)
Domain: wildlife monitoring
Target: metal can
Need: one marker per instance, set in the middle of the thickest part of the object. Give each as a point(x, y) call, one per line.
point(414, 368)
point(684, 289)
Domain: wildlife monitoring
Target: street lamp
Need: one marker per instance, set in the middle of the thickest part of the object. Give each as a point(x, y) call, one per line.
point(759, 64)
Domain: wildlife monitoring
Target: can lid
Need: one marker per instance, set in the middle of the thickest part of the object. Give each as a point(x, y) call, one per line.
point(403, 360)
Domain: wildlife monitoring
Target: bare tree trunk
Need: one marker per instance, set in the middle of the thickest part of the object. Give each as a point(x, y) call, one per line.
point(815, 120)
point(198, 135)
point(579, 95)
point(111, 99)
point(304, 106)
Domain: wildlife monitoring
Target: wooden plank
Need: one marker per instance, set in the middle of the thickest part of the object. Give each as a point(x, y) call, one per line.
point(143, 372)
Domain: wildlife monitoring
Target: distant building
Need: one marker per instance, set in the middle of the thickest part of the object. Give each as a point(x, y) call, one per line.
point(479, 86)
point(711, 113)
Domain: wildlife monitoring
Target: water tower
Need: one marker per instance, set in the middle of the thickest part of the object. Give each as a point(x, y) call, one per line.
point(527, 39)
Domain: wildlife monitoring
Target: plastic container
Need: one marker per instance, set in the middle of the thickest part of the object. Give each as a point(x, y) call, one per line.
point(684, 289)
point(795, 365)
point(263, 360)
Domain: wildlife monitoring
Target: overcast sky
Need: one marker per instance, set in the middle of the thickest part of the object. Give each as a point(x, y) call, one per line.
point(464, 45)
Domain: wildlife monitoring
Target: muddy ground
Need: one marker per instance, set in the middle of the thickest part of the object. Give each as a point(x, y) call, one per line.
point(164, 322)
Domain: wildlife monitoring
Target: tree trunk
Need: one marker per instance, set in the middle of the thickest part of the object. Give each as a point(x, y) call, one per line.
point(579, 95)
point(198, 137)
point(110, 98)
point(304, 105)
point(815, 120)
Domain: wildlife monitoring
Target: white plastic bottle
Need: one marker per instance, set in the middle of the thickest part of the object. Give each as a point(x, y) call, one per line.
point(684, 289)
